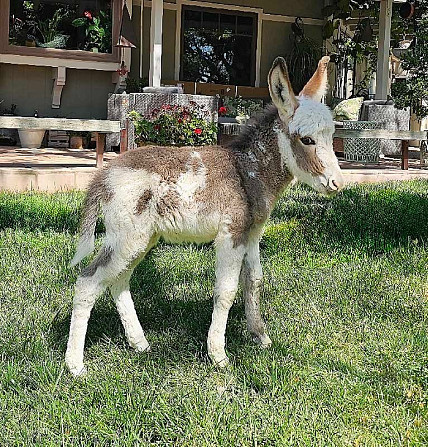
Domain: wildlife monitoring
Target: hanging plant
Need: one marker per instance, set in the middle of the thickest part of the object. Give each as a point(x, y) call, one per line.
point(303, 58)
point(342, 10)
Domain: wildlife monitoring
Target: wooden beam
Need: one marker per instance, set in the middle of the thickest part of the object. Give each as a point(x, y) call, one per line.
point(405, 154)
point(23, 122)
point(124, 138)
point(382, 73)
point(155, 72)
point(382, 134)
point(101, 144)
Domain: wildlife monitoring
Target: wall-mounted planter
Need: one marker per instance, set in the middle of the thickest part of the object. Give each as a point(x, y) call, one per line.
point(31, 138)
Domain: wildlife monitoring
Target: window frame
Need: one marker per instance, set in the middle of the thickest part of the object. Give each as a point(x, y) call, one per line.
point(59, 53)
point(185, 7)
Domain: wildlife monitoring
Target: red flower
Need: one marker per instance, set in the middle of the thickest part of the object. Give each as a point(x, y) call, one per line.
point(180, 120)
point(222, 110)
point(198, 131)
point(88, 15)
point(157, 127)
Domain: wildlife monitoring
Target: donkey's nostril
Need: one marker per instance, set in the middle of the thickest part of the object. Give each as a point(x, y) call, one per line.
point(332, 185)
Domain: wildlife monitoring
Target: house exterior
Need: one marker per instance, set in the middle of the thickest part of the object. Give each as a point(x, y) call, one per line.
point(52, 61)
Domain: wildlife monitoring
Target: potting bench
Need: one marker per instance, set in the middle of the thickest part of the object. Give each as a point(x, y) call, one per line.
point(401, 135)
point(99, 127)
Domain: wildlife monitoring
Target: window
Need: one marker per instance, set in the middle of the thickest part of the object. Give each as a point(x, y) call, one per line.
point(60, 28)
point(218, 46)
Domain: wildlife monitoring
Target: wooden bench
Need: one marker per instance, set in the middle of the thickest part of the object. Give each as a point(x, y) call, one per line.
point(99, 127)
point(402, 135)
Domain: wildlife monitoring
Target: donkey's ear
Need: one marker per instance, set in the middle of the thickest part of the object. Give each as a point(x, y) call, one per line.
point(280, 89)
point(317, 85)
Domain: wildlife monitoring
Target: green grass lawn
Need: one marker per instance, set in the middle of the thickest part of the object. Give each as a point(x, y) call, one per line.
point(345, 299)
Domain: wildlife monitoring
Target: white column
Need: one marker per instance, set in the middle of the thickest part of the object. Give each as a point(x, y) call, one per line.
point(178, 40)
point(141, 36)
point(155, 72)
point(382, 73)
point(127, 51)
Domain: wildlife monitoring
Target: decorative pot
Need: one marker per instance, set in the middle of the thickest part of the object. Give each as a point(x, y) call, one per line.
point(31, 138)
point(76, 142)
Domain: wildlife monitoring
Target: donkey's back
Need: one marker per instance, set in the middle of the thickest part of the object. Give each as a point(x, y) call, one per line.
point(182, 194)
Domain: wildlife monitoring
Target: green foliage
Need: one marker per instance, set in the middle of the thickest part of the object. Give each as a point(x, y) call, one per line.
point(134, 85)
point(240, 106)
point(175, 126)
point(98, 30)
point(52, 36)
point(342, 10)
point(350, 49)
point(413, 92)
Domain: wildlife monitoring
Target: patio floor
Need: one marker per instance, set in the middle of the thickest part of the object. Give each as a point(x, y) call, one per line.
point(64, 169)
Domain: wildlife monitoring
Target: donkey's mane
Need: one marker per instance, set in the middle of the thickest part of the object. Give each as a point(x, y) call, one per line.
point(250, 133)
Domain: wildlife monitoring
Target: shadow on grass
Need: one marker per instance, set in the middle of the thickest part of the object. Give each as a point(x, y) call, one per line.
point(372, 217)
point(186, 320)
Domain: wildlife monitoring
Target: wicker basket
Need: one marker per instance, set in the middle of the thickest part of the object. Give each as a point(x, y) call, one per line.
point(361, 149)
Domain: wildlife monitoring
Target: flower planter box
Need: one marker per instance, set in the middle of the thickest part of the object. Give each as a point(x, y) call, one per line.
point(119, 105)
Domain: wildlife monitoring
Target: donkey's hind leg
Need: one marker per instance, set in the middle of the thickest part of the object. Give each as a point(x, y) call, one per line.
point(88, 288)
point(101, 273)
point(125, 306)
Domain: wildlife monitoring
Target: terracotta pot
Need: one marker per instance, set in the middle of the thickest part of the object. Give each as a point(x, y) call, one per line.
point(76, 142)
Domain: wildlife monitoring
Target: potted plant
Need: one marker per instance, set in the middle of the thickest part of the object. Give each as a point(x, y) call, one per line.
point(31, 138)
point(97, 30)
point(8, 137)
point(239, 109)
point(78, 140)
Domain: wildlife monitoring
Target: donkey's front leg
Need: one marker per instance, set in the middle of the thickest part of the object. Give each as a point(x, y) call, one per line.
point(125, 306)
point(251, 279)
point(228, 266)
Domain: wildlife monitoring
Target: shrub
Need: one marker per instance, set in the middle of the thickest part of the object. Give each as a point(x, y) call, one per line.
point(241, 107)
point(174, 125)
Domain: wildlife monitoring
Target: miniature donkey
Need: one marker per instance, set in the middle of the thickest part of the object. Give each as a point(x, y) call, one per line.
point(201, 194)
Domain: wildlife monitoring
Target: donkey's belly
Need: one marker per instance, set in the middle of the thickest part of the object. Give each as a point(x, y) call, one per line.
point(189, 226)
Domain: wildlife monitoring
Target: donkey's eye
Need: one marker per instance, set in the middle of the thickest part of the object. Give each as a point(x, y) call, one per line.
point(307, 141)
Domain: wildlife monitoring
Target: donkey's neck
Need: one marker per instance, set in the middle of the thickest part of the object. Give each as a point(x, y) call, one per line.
point(260, 164)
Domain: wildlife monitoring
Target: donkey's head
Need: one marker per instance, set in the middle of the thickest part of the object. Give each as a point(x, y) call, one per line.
point(305, 134)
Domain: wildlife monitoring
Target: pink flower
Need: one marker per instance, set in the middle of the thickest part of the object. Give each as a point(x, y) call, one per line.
point(197, 131)
point(88, 15)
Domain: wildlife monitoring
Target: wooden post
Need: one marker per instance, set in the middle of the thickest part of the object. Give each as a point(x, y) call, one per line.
point(155, 71)
point(382, 73)
point(101, 144)
point(124, 138)
point(405, 154)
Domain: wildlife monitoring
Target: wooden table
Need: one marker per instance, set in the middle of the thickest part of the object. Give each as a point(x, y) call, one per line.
point(99, 127)
point(402, 135)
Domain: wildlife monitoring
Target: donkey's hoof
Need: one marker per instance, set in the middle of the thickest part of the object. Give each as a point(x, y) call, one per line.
point(263, 340)
point(220, 362)
point(142, 347)
point(78, 371)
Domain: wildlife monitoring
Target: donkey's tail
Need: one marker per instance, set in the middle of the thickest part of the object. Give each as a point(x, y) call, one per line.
point(91, 209)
